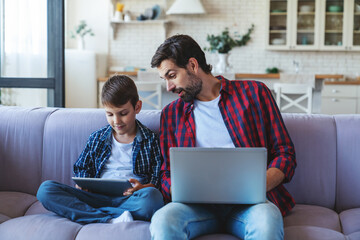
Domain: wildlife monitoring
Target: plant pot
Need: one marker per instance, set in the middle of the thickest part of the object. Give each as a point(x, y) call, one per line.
point(81, 43)
point(222, 65)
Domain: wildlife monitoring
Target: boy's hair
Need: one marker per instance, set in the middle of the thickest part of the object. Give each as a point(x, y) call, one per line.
point(118, 90)
point(179, 49)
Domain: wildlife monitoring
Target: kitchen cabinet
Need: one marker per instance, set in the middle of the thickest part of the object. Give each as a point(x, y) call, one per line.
point(293, 25)
point(340, 99)
point(325, 25)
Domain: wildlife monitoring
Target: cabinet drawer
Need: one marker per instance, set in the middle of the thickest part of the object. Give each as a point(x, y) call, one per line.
point(339, 91)
point(338, 105)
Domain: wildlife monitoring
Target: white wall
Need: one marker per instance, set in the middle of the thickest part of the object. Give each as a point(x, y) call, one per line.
point(135, 44)
point(96, 15)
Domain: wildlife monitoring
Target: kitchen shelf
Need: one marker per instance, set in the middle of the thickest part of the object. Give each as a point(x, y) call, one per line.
point(277, 31)
point(306, 13)
point(278, 13)
point(305, 31)
point(140, 22)
point(115, 23)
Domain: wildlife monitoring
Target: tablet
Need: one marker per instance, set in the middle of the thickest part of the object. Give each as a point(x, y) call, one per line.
point(111, 187)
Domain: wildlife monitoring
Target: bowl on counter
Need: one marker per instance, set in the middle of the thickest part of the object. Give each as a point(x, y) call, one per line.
point(306, 8)
point(357, 7)
point(335, 8)
point(278, 41)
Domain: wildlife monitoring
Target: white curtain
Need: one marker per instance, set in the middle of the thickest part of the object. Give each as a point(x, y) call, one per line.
point(25, 48)
point(25, 35)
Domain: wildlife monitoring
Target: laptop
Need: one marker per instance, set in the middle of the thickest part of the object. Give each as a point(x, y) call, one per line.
point(218, 175)
point(110, 187)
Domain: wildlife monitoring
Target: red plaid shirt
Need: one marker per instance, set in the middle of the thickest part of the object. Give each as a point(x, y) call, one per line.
point(252, 119)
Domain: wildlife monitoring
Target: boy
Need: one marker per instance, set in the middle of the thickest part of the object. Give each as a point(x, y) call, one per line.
point(124, 149)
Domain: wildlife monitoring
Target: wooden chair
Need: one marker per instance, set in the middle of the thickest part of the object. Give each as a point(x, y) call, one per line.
point(292, 94)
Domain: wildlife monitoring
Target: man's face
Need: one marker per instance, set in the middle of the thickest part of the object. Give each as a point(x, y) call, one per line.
point(180, 80)
point(122, 118)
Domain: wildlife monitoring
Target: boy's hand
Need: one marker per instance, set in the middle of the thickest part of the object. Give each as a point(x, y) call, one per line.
point(136, 186)
point(78, 187)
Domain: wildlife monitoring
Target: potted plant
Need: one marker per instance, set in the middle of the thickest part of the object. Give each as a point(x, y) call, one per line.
point(224, 43)
point(81, 31)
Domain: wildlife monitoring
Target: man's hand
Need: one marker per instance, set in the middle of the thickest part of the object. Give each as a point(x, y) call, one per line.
point(273, 178)
point(136, 186)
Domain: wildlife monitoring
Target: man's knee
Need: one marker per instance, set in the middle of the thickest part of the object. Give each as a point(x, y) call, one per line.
point(266, 221)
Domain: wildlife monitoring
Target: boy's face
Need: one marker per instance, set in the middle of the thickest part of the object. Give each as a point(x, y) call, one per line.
point(122, 118)
point(181, 81)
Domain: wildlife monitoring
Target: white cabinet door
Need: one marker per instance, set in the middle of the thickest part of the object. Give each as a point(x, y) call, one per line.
point(353, 30)
point(334, 24)
point(278, 22)
point(305, 25)
point(339, 99)
point(338, 105)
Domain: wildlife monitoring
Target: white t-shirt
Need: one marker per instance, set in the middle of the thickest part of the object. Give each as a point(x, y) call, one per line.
point(210, 126)
point(119, 165)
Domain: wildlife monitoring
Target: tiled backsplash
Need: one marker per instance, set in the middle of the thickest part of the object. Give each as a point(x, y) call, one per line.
point(135, 44)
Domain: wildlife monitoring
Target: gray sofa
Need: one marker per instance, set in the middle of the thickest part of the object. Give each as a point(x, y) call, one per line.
point(43, 143)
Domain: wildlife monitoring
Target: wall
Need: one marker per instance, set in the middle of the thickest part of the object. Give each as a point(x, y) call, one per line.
point(134, 45)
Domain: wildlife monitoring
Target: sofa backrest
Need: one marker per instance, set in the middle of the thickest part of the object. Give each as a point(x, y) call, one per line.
point(65, 136)
point(348, 162)
point(43, 143)
point(21, 146)
point(314, 137)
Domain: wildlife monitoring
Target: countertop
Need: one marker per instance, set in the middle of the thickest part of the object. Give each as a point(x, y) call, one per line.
point(249, 76)
point(357, 82)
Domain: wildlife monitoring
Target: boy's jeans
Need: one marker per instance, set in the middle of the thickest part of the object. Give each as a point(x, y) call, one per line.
point(187, 221)
point(84, 207)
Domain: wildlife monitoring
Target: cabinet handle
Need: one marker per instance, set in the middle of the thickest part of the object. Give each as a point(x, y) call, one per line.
point(335, 91)
point(334, 99)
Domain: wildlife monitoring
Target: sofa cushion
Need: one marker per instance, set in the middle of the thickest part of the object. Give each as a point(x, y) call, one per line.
point(309, 215)
point(3, 218)
point(39, 227)
point(15, 204)
point(314, 137)
point(353, 236)
point(348, 155)
point(36, 208)
point(137, 230)
point(21, 132)
point(217, 237)
point(350, 221)
point(311, 233)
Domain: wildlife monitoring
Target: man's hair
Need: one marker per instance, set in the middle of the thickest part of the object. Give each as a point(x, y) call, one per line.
point(118, 90)
point(179, 49)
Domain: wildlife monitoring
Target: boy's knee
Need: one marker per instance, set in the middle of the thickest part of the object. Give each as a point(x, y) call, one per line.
point(44, 190)
point(153, 198)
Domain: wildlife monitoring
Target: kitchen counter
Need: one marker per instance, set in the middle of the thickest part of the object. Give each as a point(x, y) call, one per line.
point(357, 82)
point(247, 76)
point(277, 76)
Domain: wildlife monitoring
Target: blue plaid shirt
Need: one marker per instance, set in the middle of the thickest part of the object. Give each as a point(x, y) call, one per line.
point(147, 157)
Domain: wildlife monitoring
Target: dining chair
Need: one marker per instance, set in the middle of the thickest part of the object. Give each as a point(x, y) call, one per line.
point(149, 86)
point(292, 95)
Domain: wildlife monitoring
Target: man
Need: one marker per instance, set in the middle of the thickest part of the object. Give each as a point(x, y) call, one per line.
point(215, 112)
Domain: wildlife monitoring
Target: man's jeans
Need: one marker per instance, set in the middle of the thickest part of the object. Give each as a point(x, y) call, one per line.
point(85, 207)
point(187, 221)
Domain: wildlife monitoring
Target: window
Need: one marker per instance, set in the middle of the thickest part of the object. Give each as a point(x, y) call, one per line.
point(32, 52)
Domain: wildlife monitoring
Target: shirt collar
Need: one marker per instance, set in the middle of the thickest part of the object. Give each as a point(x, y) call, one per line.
point(226, 87)
point(140, 133)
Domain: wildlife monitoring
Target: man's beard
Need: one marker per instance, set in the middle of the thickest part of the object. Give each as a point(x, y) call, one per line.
point(193, 89)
